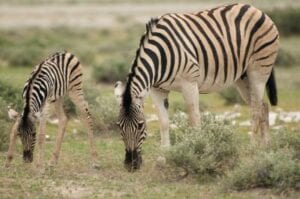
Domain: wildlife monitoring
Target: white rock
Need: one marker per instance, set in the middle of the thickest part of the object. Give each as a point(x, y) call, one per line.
point(161, 161)
point(245, 123)
point(277, 127)
point(173, 126)
point(152, 117)
point(74, 131)
point(53, 121)
point(272, 118)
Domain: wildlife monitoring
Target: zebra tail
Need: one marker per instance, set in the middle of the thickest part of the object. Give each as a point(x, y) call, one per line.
point(271, 89)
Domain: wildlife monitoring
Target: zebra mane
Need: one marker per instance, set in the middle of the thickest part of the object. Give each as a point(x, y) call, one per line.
point(152, 23)
point(127, 93)
point(51, 56)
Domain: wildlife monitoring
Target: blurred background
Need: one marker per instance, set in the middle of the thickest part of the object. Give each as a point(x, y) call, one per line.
point(104, 35)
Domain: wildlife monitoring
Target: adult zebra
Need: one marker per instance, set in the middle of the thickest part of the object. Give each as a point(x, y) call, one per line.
point(198, 53)
point(58, 75)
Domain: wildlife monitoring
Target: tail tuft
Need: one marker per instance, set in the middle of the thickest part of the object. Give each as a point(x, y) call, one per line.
point(272, 90)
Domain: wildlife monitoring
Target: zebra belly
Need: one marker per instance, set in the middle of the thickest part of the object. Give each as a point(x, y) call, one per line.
point(208, 88)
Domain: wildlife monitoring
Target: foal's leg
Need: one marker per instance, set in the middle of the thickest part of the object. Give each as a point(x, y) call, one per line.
point(160, 100)
point(12, 145)
point(61, 130)
point(78, 99)
point(190, 93)
point(41, 137)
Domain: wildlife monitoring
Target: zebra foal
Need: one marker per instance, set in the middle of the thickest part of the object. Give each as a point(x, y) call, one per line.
point(57, 76)
point(194, 53)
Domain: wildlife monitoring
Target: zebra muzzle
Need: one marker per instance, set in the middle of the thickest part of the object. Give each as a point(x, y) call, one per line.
point(133, 160)
point(27, 156)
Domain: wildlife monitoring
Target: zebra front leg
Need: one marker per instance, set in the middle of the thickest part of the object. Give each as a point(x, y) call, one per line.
point(62, 118)
point(190, 94)
point(41, 141)
point(85, 116)
point(12, 145)
point(160, 100)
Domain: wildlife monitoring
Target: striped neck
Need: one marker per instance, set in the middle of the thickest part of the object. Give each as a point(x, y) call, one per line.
point(134, 90)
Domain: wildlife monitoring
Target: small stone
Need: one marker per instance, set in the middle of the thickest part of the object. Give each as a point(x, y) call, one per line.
point(161, 161)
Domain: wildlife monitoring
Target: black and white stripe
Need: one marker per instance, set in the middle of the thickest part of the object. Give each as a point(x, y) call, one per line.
point(51, 79)
point(213, 49)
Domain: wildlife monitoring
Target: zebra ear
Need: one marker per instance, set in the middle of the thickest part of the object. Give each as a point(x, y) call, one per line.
point(12, 114)
point(119, 90)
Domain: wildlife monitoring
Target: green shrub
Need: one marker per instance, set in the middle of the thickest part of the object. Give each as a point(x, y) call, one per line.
point(285, 58)
point(103, 108)
point(4, 124)
point(231, 96)
point(176, 106)
point(207, 151)
point(105, 113)
point(286, 20)
point(276, 167)
point(266, 170)
point(4, 136)
point(111, 70)
point(283, 139)
point(11, 96)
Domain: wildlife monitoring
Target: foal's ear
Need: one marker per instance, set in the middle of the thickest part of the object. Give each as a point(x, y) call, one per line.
point(119, 90)
point(12, 114)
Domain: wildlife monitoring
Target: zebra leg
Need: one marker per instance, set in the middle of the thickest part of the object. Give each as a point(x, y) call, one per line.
point(78, 99)
point(41, 140)
point(12, 145)
point(190, 93)
point(160, 100)
point(61, 130)
point(260, 113)
point(243, 87)
point(264, 129)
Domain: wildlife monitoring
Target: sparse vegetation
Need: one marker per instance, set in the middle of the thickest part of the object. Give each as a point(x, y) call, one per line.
point(105, 113)
point(208, 151)
point(231, 96)
point(10, 95)
point(277, 167)
point(286, 20)
point(218, 152)
point(4, 131)
point(274, 169)
point(111, 70)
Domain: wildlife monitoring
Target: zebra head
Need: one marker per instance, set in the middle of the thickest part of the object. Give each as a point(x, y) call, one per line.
point(133, 129)
point(27, 133)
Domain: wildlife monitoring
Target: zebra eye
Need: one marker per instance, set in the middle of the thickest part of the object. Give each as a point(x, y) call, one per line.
point(140, 125)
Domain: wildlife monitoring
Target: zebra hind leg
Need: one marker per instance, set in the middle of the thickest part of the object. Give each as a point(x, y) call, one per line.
point(259, 108)
point(190, 94)
point(77, 98)
point(61, 130)
point(160, 100)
